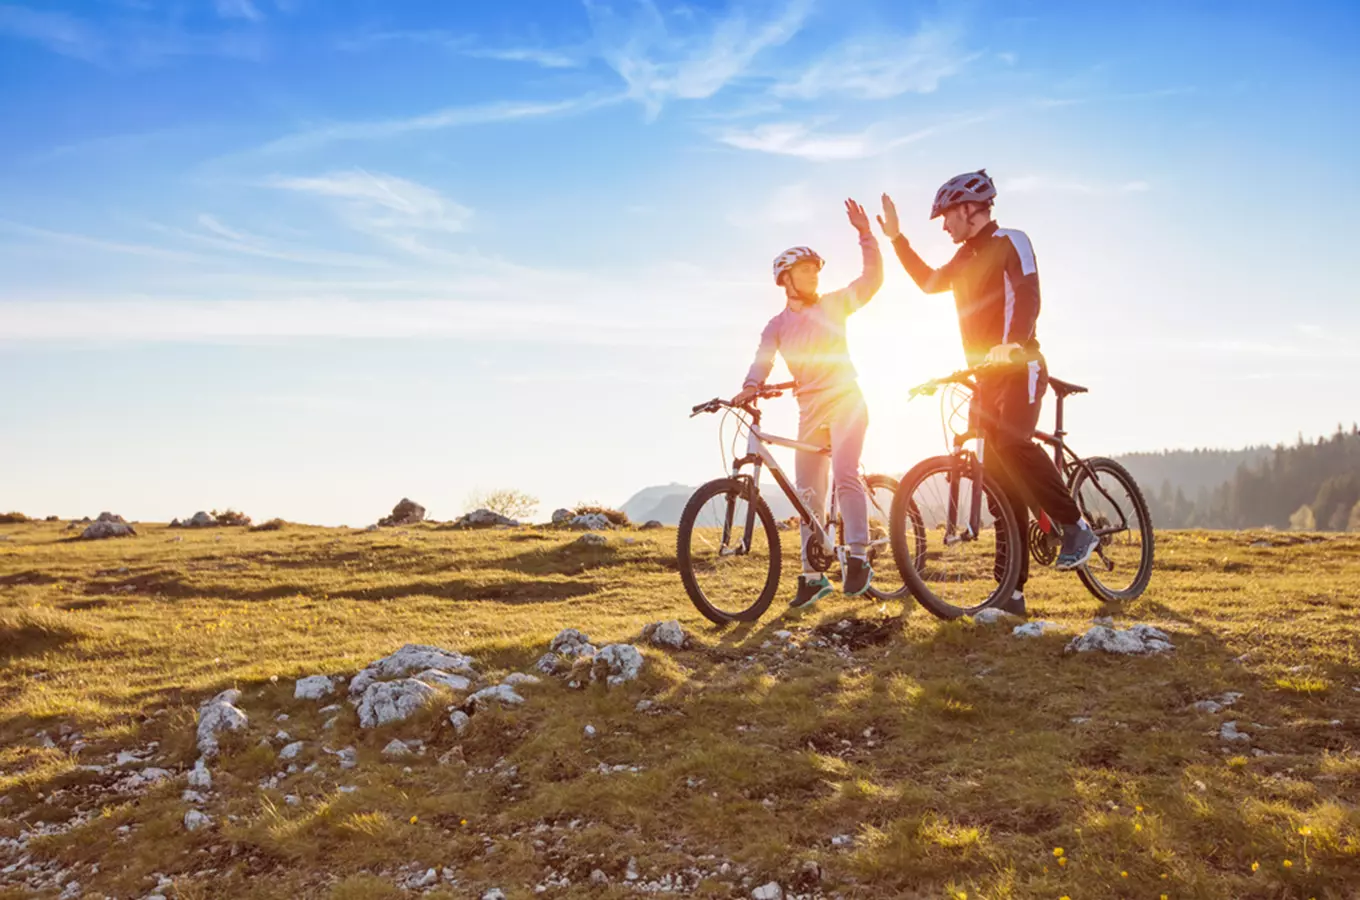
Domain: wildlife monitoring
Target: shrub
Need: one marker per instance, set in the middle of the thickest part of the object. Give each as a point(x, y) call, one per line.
point(506, 502)
point(231, 518)
point(271, 525)
point(13, 518)
point(615, 517)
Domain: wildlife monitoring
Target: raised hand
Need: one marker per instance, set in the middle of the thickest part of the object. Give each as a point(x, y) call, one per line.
point(858, 217)
point(888, 221)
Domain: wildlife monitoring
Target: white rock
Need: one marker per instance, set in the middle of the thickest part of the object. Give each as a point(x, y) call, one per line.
point(547, 663)
point(396, 749)
point(666, 634)
point(437, 678)
point(282, 736)
point(597, 876)
point(590, 539)
point(1034, 629)
point(842, 840)
point(332, 708)
point(97, 531)
point(193, 797)
point(562, 516)
point(617, 663)
point(643, 706)
point(592, 522)
point(349, 757)
point(1139, 639)
point(494, 894)
point(313, 687)
point(410, 658)
point(1229, 732)
point(515, 679)
point(292, 800)
point(431, 877)
point(771, 891)
point(216, 716)
point(392, 701)
point(992, 616)
point(292, 750)
point(199, 776)
point(459, 720)
point(590, 731)
point(501, 693)
point(631, 872)
point(347, 789)
point(484, 518)
point(1207, 706)
point(194, 820)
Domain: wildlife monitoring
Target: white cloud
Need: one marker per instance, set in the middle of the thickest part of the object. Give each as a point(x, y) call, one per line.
point(883, 66)
point(56, 31)
point(450, 117)
point(93, 243)
point(238, 9)
point(659, 64)
point(807, 142)
point(376, 202)
point(548, 59)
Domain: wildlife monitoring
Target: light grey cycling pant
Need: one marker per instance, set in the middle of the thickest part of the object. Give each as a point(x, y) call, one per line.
point(837, 419)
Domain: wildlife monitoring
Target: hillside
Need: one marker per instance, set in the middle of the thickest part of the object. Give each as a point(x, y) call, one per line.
point(853, 752)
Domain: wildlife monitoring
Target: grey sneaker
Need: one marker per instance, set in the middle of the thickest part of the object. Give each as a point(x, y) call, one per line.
point(1015, 605)
point(857, 576)
point(1077, 546)
point(810, 590)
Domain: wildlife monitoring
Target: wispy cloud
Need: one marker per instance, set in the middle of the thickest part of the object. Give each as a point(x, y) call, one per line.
point(470, 46)
point(379, 203)
point(807, 141)
point(215, 235)
point(238, 9)
point(883, 66)
point(95, 243)
point(1048, 184)
point(56, 31)
point(686, 58)
point(126, 41)
point(449, 117)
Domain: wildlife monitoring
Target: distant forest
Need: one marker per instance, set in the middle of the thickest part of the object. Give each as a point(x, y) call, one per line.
point(1308, 486)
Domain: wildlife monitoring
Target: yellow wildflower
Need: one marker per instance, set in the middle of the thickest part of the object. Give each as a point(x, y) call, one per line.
point(1123, 874)
point(1288, 864)
point(1255, 866)
point(1062, 860)
point(1137, 826)
point(414, 819)
point(1305, 831)
point(1057, 851)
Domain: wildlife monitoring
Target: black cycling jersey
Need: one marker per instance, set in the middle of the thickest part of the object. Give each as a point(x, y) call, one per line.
point(995, 281)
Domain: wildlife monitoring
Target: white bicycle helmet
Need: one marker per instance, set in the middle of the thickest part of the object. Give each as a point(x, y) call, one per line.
point(971, 187)
point(792, 257)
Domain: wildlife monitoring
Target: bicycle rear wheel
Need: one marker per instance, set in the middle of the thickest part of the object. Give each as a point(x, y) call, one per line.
point(1114, 507)
point(951, 576)
point(726, 581)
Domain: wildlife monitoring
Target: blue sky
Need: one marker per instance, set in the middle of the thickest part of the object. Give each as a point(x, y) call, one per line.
point(305, 258)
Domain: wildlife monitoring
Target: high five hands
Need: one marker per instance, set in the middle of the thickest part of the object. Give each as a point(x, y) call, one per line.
point(858, 217)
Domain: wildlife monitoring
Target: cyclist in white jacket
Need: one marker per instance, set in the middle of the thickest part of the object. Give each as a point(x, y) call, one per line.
point(810, 334)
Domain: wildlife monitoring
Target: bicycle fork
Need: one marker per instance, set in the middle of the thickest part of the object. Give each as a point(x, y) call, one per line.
point(970, 467)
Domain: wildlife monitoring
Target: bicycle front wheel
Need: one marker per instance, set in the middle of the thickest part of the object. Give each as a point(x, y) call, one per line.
point(949, 570)
point(728, 580)
point(1114, 507)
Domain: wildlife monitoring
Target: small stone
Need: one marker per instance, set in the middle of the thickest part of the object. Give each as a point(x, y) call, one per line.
point(1229, 732)
point(590, 731)
point(438, 678)
point(347, 789)
point(282, 736)
point(396, 749)
point(665, 634)
point(770, 891)
point(431, 877)
point(547, 663)
point(292, 750)
point(292, 800)
point(631, 872)
point(515, 679)
point(842, 840)
point(199, 776)
point(493, 894)
point(313, 687)
point(1200, 786)
point(992, 616)
point(194, 820)
point(1034, 629)
point(460, 721)
point(349, 757)
point(193, 797)
point(643, 706)
point(501, 693)
point(597, 876)
point(617, 664)
point(590, 539)
point(1080, 720)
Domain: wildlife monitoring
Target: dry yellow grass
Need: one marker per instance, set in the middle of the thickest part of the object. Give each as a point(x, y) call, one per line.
point(953, 755)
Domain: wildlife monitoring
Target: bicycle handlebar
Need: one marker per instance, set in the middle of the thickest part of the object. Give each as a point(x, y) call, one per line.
point(764, 391)
point(963, 376)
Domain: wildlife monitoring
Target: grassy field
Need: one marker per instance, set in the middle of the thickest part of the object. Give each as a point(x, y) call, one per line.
point(910, 758)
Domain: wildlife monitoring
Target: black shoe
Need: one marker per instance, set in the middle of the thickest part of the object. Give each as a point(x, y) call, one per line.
point(810, 590)
point(1015, 605)
point(1078, 543)
point(856, 576)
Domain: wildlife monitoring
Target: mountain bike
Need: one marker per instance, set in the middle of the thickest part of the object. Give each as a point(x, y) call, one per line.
point(728, 545)
point(951, 527)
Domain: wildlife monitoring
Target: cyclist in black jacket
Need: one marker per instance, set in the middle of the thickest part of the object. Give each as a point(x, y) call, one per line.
point(995, 281)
